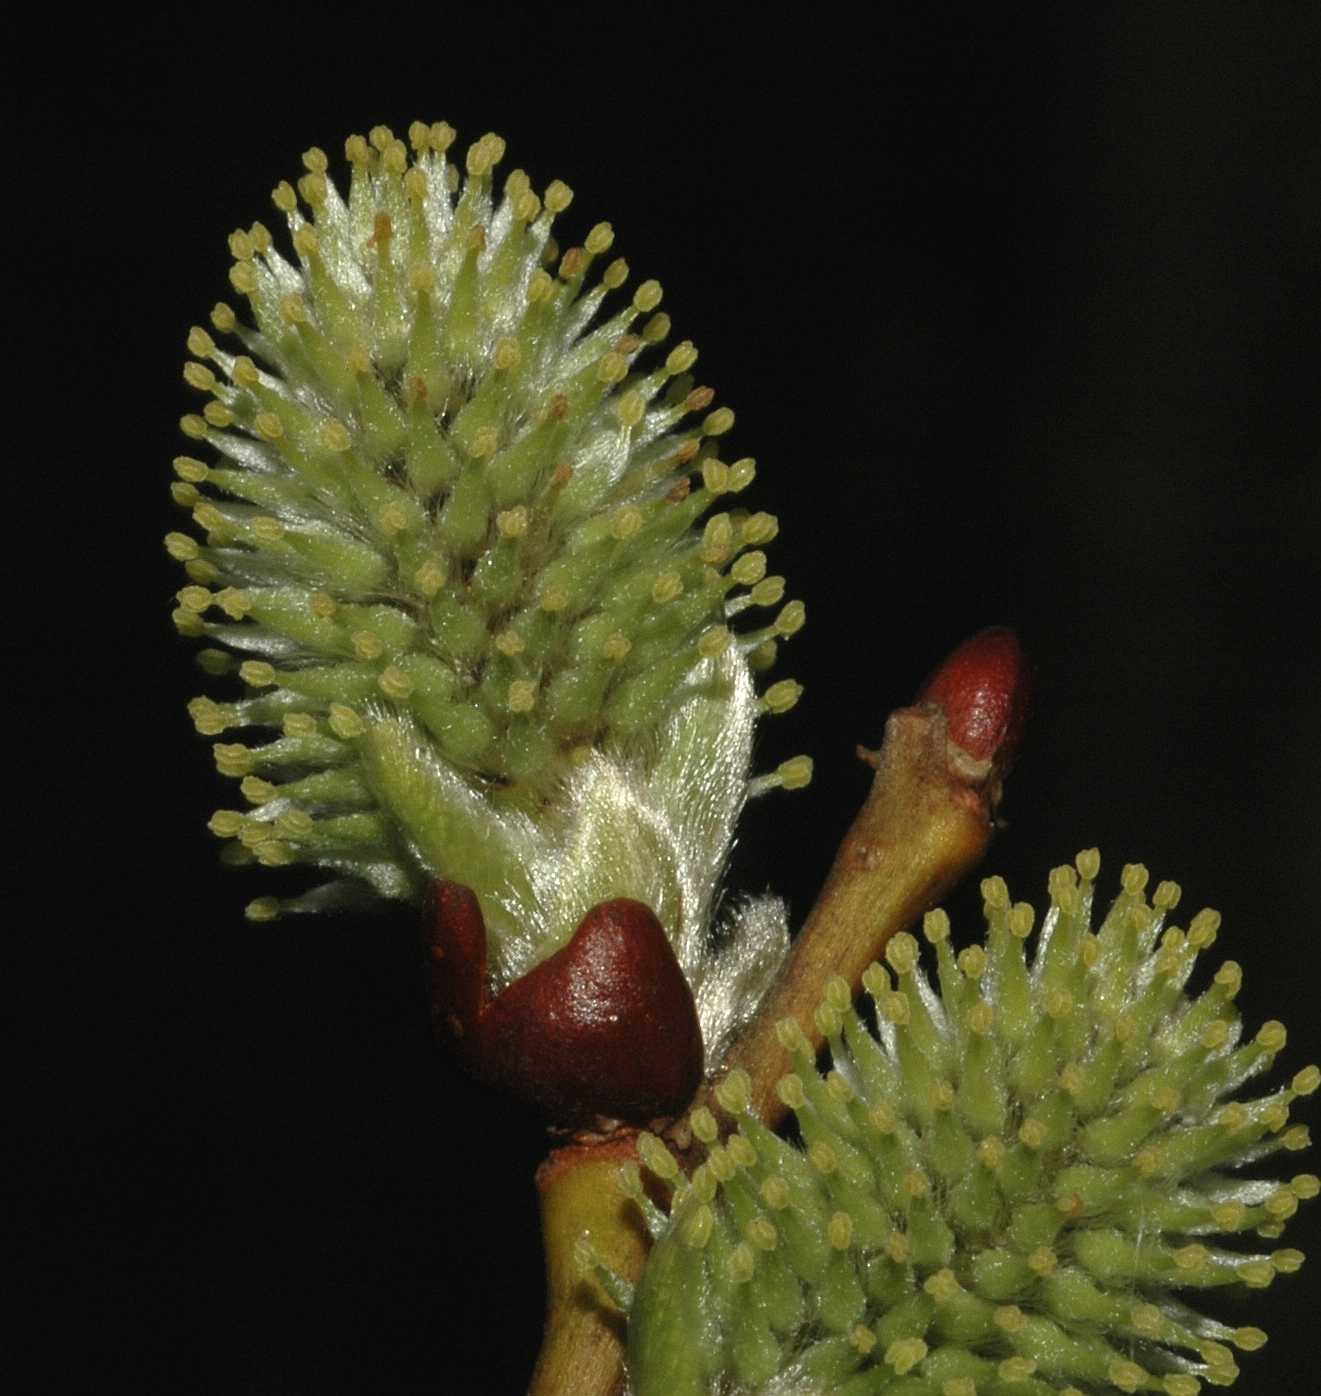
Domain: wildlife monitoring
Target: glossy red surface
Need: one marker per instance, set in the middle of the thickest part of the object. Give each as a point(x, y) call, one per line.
point(984, 688)
point(606, 1026)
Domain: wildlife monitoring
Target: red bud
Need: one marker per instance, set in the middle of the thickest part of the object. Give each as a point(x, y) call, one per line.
point(983, 688)
point(606, 1026)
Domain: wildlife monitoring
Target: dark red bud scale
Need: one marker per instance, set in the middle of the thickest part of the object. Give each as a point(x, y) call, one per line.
point(604, 1027)
point(983, 688)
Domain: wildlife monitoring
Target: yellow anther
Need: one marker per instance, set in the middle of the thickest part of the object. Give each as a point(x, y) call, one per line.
point(558, 196)
point(194, 599)
point(1058, 1003)
point(1166, 1099)
point(915, 1184)
point(776, 1194)
point(626, 524)
point(232, 759)
point(991, 1152)
point(657, 1158)
point(942, 1286)
point(257, 673)
point(1166, 896)
point(1228, 1216)
point(940, 1096)
point(226, 823)
point(898, 1247)
point(741, 1264)
point(258, 791)
point(193, 471)
point(668, 586)
point(1010, 1318)
point(199, 376)
point(1215, 1035)
point(1021, 919)
point(1147, 1161)
point(1148, 1320)
point(512, 523)
point(1127, 1376)
point(509, 643)
point(791, 618)
point(1296, 1139)
point(883, 1119)
point(1088, 863)
point(972, 961)
point(769, 592)
point(715, 476)
point(981, 1017)
point(1271, 1036)
point(1306, 1081)
point(714, 642)
point(681, 358)
point(904, 1354)
point(1179, 1384)
point(734, 1093)
point(1229, 976)
point(344, 722)
point(840, 1231)
point(647, 297)
point(367, 645)
point(718, 422)
point(1203, 928)
point(522, 696)
point(295, 824)
point(394, 683)
point(795, 773)
point(181, 546)
point(1042, 1261)
point(631, 408)
point(789, 1088)
point(995, 893)
point(267, 531)
point(1032, 1134)
point(903, 953)
point(703, 1124)
point(244, 372)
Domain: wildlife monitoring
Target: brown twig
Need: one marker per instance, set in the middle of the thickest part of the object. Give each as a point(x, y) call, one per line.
point(582, 1351)
point(926, 822)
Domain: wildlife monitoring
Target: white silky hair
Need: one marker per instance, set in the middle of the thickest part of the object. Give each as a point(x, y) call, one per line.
point(657, 824)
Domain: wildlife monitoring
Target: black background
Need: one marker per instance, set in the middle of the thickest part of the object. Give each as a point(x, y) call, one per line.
point(1020, 320)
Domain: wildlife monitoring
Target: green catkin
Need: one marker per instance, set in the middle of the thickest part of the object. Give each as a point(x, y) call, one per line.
point(459, 491)
point(1039, 1213)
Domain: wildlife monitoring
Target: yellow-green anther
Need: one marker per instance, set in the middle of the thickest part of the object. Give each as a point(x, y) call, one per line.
point(1001, 1230)
point(469, 462)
